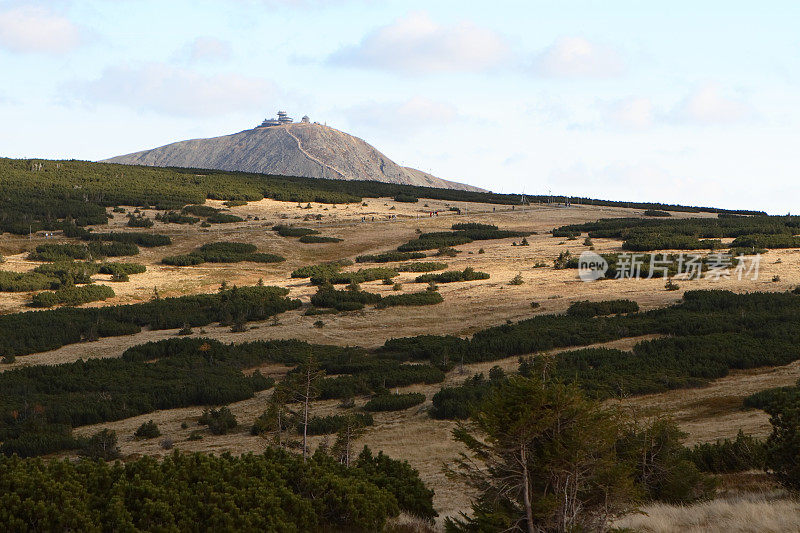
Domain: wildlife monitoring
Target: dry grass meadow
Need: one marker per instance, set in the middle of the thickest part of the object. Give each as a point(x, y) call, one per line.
point(705, 414)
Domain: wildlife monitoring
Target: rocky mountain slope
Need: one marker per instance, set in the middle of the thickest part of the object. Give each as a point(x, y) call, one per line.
point(300, 149)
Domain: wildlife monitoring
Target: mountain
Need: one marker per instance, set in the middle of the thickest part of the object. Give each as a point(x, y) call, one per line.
point(294, 149)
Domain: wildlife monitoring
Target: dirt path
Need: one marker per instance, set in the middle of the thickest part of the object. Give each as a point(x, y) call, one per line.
point(313, 158)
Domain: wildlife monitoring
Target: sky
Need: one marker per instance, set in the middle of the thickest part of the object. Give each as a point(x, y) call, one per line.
point(695, 103)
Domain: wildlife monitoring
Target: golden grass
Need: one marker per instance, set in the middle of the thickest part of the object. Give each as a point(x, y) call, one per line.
point(751, 513)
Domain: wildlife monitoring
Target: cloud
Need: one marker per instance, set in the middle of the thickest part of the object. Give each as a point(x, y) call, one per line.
point(175, 91)
point(576, 57)
point(632, 112)
point(416, 43)
point(206, 50)
point(33, 29)
point(405, 117)
point(707, 104)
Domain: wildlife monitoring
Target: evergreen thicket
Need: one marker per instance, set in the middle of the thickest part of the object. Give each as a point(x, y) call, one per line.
point(223, 252)
point(642, 235)
point(275, 491)
point(31, 332)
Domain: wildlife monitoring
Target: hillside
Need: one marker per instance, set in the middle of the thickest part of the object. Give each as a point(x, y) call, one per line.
point(303, 149)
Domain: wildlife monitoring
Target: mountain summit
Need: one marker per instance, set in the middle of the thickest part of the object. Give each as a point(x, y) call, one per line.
point(279, 146)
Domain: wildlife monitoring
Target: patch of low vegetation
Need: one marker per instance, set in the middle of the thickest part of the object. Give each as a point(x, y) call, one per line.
point(461, 234)
point(644, 235)
point(219, 421)
point(222, 252)
point(318, 239)
point(389, 257)
point(588, 309)
point(451, 276)
point(24, 333)
point(223, 218)
point(72, 295)
point(323, 270)
point(394, 402)
point(175, 217)
point(360, 497)
point(26, 281)
point(200, 210)
point(411, 299)
point(139, 221)
point(406, 198)
point(430, 266)
point(65, 252)
point(726, 456)
point(148, 430)
point(293, 231)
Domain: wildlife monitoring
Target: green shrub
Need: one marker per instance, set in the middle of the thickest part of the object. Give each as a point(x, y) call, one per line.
point(222, 252)
point(313, 239)
point(173, 217)
point(346, 300)
point(101, 445)
point(140, 222)
point(293, 231)
point(274, 491)
point(588, 309)
point(657, 213)
point(726, 456)
point(466, 226)
point(219, 421)
point(201, 210)
point(411, 298)
point(321, 271)
point(421, 267)
point(72, 295)
point(148, 430)
point(223, 218)
point(394, 402)
point(59, 252)
point(183, 260)
point(26, 281)
point(406, 198)
point(468, 274)
point(388, 257)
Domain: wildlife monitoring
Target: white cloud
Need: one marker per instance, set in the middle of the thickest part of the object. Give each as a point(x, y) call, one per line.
point(576, 57)
point(401, 117)
point(632, 113)
point(416, 43)
point(176, 91)
point(206, 49)
point(707, 104)
point(33, 29)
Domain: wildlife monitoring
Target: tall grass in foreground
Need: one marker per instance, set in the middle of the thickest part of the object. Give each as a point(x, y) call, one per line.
point(755, 512)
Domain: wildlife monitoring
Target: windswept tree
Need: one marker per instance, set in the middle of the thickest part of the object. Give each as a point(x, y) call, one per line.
point(302, 386)
point(543, 458)
point(342, 449)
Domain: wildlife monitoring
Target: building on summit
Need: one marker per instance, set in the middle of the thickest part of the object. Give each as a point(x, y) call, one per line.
point(281, 119)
